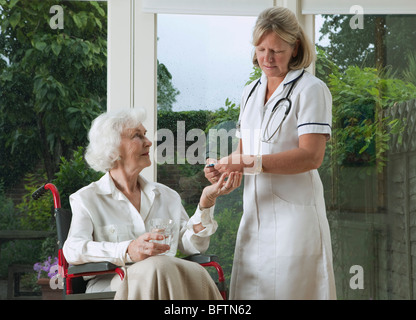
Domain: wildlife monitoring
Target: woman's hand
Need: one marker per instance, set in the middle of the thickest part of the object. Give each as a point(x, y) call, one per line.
point(232, 163)
point(211, 173)
point(143, 247)
point(235, 162)
point(221, 187)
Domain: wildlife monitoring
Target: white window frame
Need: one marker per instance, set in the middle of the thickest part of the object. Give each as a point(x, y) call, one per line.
point(211, 7)
point(132, 63)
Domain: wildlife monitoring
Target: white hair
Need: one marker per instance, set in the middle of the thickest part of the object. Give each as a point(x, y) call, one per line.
point(105, 136)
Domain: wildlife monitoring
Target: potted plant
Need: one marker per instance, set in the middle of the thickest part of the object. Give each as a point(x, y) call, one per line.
point(48, 279)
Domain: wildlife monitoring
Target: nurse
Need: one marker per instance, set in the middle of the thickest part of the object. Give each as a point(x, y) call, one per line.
point(283, 247)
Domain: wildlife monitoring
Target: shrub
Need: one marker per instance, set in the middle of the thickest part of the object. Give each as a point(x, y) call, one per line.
point(35, 214)
point(73, 175)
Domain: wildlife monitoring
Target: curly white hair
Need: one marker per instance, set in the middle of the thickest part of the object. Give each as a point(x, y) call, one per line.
point(105, 136)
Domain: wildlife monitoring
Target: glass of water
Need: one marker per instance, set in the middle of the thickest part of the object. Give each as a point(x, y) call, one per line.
point(163, 227)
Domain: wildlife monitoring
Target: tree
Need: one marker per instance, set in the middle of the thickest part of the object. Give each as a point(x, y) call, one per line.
point(383, 42)
point(361, 131)
point(372, 62)
point(166, 92)
point(52, 81)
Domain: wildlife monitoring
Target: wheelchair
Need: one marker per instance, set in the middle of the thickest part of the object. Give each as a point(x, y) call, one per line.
point(74, 285)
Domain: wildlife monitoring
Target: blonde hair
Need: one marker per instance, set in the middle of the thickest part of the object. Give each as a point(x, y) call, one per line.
point(283, 23)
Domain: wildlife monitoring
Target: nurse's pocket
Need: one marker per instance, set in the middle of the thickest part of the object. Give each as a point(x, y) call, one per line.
point(297, 189)
point(297, 228)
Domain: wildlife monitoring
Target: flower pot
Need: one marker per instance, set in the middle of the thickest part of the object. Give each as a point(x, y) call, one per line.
point(47, 292)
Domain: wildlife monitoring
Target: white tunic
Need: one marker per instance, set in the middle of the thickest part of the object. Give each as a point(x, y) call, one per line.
point(283, 248)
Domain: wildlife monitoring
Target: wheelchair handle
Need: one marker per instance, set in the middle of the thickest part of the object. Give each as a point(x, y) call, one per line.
point(43, 189)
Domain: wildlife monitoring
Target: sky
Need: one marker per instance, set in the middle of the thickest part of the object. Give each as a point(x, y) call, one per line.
point(209, 57)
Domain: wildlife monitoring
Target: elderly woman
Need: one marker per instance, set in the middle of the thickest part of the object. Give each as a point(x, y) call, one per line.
point(283, 248)
point(112, 216)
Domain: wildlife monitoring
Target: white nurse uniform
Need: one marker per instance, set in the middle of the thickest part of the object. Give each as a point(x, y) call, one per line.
point(283, 248)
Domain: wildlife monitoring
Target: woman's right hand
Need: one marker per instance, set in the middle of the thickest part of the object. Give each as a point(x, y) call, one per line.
point(225, 185)
point(143, 247)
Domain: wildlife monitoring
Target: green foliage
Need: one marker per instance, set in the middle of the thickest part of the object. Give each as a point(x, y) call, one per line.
point(324, 66)
point(228, 209)
point(231, 112)
point(11, 218)
point(409, 74)
point(360, 131)
point(254, 75)
point(19, 252)
point(52, 82)
point(223, 241)
point(166, 92)
point(35, 214)
point(8, 219)
point(193, 119)
point(73, 175)
point(349, 47)
point(228, 212)
point(200, 119)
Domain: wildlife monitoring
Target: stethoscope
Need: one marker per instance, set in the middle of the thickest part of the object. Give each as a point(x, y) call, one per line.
point(286, 101)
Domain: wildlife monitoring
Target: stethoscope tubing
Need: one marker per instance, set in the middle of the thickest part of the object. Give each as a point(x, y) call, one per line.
point(288, 108)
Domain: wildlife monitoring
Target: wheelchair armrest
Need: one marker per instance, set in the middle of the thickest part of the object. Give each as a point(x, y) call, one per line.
point(202, 258)
point(92, 267)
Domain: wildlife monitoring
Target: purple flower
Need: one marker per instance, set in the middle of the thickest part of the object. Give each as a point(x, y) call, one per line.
point(44, 268)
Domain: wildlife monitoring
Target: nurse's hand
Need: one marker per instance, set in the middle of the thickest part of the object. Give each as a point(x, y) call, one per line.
point(212, 174)
point(234, 163)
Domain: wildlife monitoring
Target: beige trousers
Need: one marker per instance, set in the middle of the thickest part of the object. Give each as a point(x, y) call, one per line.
point(161, 278)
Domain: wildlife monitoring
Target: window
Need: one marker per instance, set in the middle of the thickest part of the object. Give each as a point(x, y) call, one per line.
point(207, 56)
point(53, 82)
point(368, 62)
point(204, 63)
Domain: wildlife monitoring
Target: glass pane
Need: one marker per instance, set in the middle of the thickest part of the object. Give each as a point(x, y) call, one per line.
point(209, 58)
point(368, 62)
point(204, 63)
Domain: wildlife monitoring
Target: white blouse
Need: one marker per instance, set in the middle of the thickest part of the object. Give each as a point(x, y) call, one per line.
point(104, 222)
